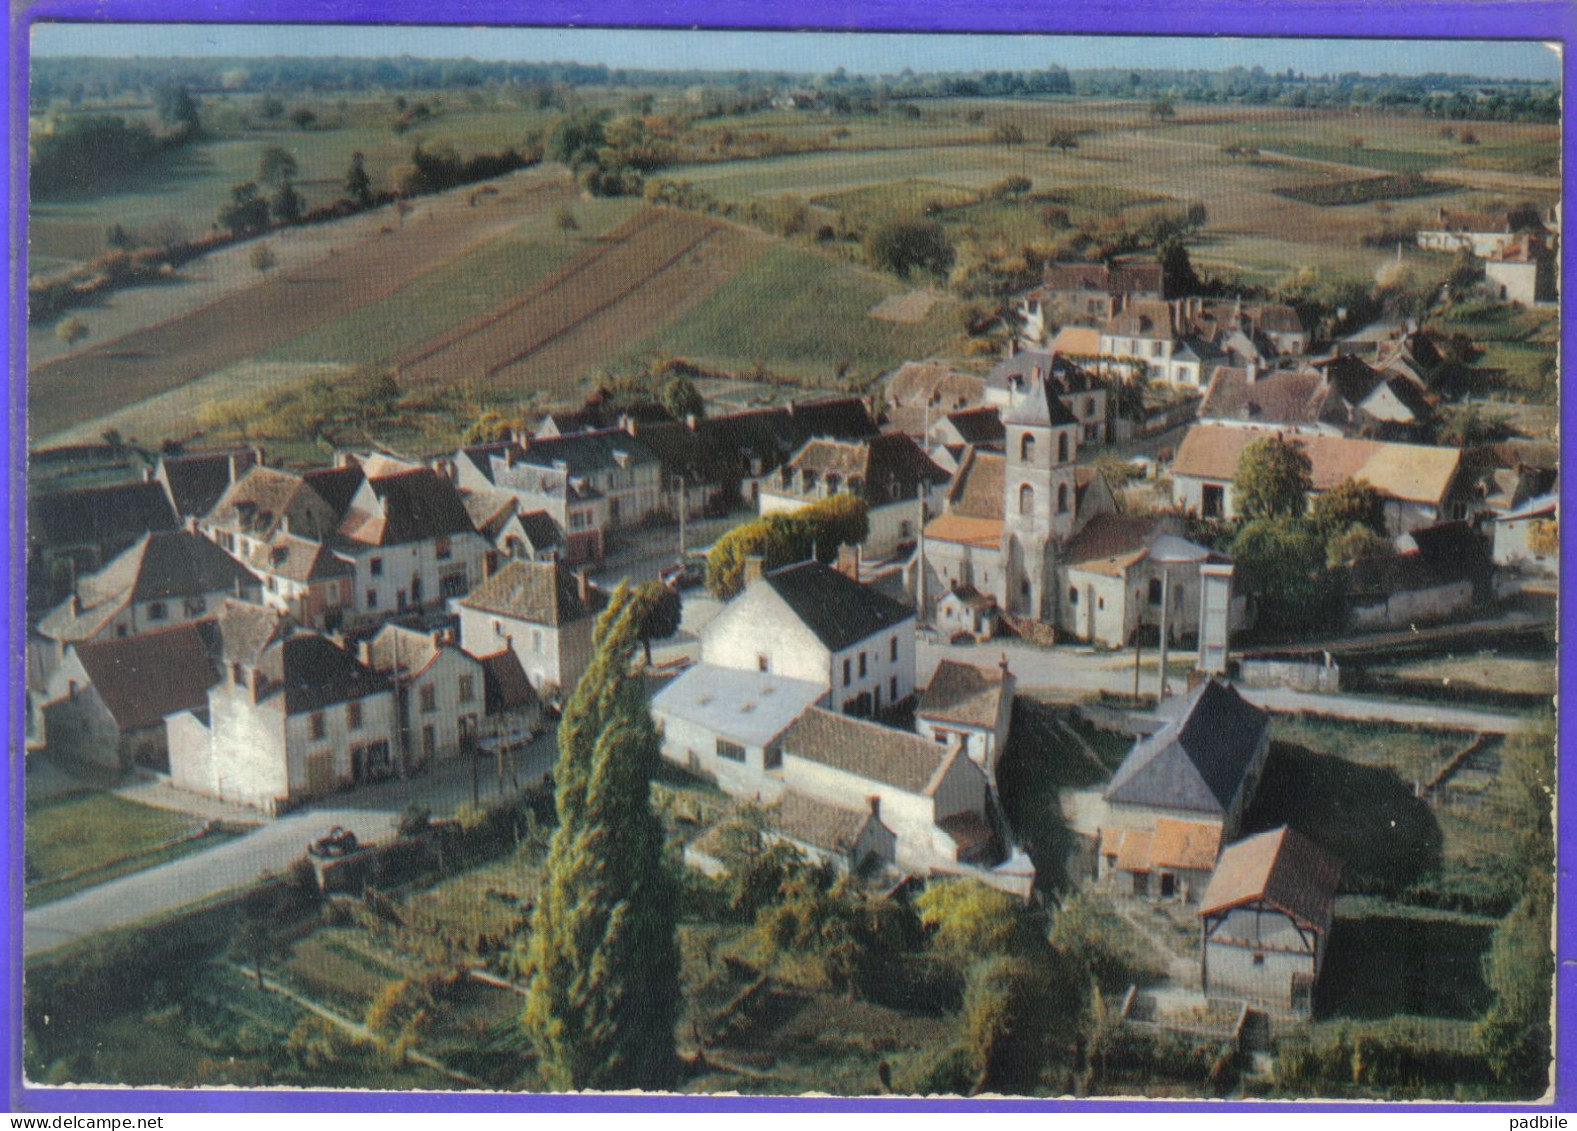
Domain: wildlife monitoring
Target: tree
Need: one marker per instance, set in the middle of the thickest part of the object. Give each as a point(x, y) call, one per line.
point(659, 608)
point(564, 219)
point(969, 921)
point(785, 537)
point(262, 259)
point(271, 108)
point(604, 988)
point(116, 237)
point(1286, 557)
point(256, 943)
point(71, 330)
point(276, 165)
point(1177, 270)
point(1063, 140)
point(286, 204)
point(1273, 480)
point(358, 186)
point(395, 1017)
point(247, 212)
point(177, 107)
point(1163, 110)
point(903, 246)
point(1351, 502)
point(680, 398)
point(1354, 542)
point(303, 118)
point(1010, 188)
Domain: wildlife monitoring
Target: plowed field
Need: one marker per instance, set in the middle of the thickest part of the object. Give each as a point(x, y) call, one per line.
point(100, 379)
point(642, 274)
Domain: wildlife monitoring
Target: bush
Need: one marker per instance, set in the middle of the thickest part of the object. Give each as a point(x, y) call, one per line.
point(906, 246)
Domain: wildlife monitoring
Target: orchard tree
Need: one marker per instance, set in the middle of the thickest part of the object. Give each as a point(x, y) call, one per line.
point(358, 186)
point(905, 246)
point(276, 165)
point(604, 962)
point(247, 212)
point(286, 204)
point(1273, 480)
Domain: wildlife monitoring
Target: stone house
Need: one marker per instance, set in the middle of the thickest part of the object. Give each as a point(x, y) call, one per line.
point(972, 706)
point(811, 623)
point(933, 800)
point(1204, 764)
point(1482, 233)
point(848, 838)
point(1173, 860)
point(106, 704)
point(75, 531)
point(305, 579)
point(964, 609)
point(728, 724)
point(440, 690)
point(1527, 537)
point(1437, 573)
point(292, 717)
point(1081, 392)
point(196, 481)
point(540, 611)
point(1087, 291)
point(1265, 920)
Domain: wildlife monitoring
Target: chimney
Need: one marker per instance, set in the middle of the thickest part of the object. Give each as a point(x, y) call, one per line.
point(1013, 347)
point(438, 638)
point(849, 562)
point(284, 523)
point(690, 421)
point(1035, 374)
point(231, 463)
point(628, 424)
point(1003, 664)
point(76, 605)
point(754, 565)
point(257, 455)
point(147, 475)
point(510, 456)
point(1252, 371)
point(583, 586)
point(489, 564)
point(875, 802)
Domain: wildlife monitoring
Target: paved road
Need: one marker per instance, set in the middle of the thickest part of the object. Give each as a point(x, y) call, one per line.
point(373, 813)
point(1357, 707)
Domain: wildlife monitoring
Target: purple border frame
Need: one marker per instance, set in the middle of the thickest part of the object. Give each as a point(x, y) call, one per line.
point(1402, 19)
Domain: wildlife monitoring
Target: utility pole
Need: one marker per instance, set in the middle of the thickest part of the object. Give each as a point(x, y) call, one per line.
point(1166, 595)
point(679, 479)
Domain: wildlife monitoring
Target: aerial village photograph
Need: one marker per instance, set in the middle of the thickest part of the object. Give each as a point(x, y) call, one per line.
point(783, 563)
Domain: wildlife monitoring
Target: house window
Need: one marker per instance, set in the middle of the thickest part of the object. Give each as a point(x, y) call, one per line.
point(317, 725)
point(120, 630)
point(429, 699)
point(1155, 591)
point(452, 584)
point(372, 598)
point(862, 665)
point(1089, 406)
point(1100, 604)
point(772, 756)
point(847, 674)
point(761, 663)
point(429, 742)
point(892, 690)
point(730, 751)
point(235, 675)
point(376, 567)
point(273, 585)
point(1026, 448)
point(1259, 960)
point(442, 549)
point(892, 649)
point(353, 716)
point(1073, 594)
point(196, 606)
point(536, 641)
point(1026, 499)
point(467, 688)
point(1062, 447)
point(157, 611)
point(1212, 501)
point(941, 736)
point(498, 628)
point(1062, 498)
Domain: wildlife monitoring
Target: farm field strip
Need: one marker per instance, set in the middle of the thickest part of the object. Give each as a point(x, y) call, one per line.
point(161, 357)
point(648, 249)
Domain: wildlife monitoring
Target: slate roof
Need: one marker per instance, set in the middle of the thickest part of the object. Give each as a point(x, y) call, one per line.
point(1195, 762)
point(259, 503)
point(413, 506)
point(1282, 396)
point(869, 750)
point(890, 468)
point(108, 517)
point(541, 530)
point(1411, 472)
point(586, 453)
point(488, 510)
point(844, 418)
point(1041, 406)
point(245, 630)
point(967, 694)
point(395, 647)
point(976, 491)
point(506, 687)
point(299, 559)
point(169, 565)
point(312, 672)
point(141, 679)
point(978, 425)
point(537, 592)
point(839, 610)
point(197, 480)
point(1281, 868)
point(336, 486)
point(832, 828)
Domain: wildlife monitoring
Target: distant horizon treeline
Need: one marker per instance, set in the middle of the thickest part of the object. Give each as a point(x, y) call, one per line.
point(76, 78)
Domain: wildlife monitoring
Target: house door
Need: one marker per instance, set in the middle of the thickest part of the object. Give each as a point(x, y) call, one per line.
point(320, 772)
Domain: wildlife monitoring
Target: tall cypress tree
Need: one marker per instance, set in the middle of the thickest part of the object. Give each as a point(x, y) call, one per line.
point(604, 991)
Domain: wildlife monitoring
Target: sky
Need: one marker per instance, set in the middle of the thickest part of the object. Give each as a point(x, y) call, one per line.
point(815, 52)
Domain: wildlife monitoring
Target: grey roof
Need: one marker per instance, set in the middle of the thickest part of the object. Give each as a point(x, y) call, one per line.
point(869, 750)
point(536, 592)
point(833, 828)
point(752, 708)
point(1195, 762)
point(110, 517)
point(967, 694)
point(1040, 406)
point(838, 609)
point(313, 672)
point(586, 452)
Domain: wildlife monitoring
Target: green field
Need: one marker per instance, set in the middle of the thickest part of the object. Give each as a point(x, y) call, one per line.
point(800, 314)
point(79, 839)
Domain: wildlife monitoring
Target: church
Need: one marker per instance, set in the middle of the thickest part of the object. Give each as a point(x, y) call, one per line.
point(1045, 538)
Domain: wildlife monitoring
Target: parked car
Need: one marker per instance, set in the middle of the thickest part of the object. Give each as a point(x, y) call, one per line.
point(684, 575)
point(337, 843)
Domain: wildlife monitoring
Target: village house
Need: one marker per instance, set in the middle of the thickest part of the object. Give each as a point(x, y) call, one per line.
point(439, 689)
point(1203, 765)
point(811, 623)
point(264, 502)
point(73, 532)
point(934, 800)
point(165, 579)
point(1172, 861)
point(1437, 573)
point(918, 393)
point(531, 536)
point(895, 479)
point(1523, 271)
point(1528, 537)
point(1265, 920)
point(305, 579)
point(196, 481)
point(292, 717)
point(849, 838)
point(1482, 233)
point(728, 723)
point(411, 543)
point(1417, 483)
point(970, 705)
point(964, 610)
point(1083, 394)
point(577, 509)
point(1338, 396)
point(1092, 292)
point(106, 704)
point(540, 611)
